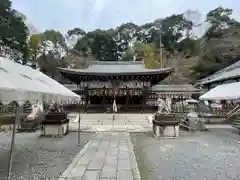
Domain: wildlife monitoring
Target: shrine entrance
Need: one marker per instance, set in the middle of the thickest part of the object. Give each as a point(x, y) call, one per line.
point(124, 101)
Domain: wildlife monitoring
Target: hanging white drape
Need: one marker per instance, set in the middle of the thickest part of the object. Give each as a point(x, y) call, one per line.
point(114, 106)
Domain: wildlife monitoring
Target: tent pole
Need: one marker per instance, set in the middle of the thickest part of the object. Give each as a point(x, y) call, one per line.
point(12, 143)
point(79, 119)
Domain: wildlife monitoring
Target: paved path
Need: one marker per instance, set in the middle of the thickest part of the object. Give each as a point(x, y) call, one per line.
point(111, 157)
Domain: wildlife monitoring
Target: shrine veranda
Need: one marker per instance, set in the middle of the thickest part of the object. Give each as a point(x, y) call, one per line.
point(130, 84)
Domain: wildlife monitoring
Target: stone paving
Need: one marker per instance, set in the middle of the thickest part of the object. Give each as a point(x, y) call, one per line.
point(39, 158)
point(110, 157)
point(211, 155)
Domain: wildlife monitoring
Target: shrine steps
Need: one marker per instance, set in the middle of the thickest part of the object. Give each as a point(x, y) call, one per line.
point(121, 119)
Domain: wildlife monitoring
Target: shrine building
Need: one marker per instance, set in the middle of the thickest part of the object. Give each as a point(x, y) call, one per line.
point(130, 84)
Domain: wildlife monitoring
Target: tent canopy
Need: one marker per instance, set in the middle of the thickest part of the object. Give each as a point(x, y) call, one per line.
point(229, 91)
point(22, 83)
point(191, 100)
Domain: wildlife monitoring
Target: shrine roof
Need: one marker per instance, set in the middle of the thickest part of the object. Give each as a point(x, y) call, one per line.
point(116, 68)
point(175, 88)
point(229, 72)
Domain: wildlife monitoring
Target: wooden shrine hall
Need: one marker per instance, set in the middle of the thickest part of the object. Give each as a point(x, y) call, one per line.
point(130, 84)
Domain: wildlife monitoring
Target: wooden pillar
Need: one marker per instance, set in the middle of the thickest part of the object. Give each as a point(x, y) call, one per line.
point(104, 98)
point(126, 100)
point(86, 93)
point(144, 95)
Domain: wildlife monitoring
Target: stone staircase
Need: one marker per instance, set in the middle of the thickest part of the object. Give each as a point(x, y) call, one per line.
point(105, 122)
point(234, 117)
point(236, 123)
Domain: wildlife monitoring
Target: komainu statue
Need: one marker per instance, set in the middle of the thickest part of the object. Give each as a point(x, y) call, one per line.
point(165, 123)
point(164, 107)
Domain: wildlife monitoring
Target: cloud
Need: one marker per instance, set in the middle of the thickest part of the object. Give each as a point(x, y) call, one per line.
point(91, 14)
point(98, 5)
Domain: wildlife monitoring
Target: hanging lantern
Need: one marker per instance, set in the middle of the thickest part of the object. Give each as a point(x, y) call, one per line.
point(130, 92)
point(163, 95)
point(167, 95)
point(180, 96)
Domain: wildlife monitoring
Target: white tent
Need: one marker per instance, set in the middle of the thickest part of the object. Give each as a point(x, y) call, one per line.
point(229, 91)
point(191, 100)
point(22, 83)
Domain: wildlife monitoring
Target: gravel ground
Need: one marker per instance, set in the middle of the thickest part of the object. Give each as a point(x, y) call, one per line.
point(212, 155)
point(38, 158)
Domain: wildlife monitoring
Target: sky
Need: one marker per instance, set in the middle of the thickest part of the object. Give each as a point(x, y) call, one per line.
point(63, 15)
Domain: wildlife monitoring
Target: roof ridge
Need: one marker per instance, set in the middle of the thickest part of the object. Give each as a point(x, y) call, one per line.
point(221, 71)
point(116, 62)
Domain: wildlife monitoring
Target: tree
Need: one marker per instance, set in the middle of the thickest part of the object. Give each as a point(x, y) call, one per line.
point(219, 19)
point(34, 48)
point(190, 47)
point(146, 52)
point(76, 31)
point(128, 55)
point(103, 45)
point(73, 35)
point(57, 39)
point(173, 29)
point(14, 33)
point(219, 45)
point(49, 64)
point(126, 34)
point(83, 47)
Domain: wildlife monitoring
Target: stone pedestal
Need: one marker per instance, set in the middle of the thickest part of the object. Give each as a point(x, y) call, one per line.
point(165, 125)
point(193, 122)
point(54, 129)
point(166, 131)
point(55, 124)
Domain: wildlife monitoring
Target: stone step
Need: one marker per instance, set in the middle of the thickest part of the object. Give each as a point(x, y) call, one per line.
point(21, 130)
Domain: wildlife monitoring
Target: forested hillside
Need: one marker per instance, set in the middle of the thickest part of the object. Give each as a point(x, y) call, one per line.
point(166, 42)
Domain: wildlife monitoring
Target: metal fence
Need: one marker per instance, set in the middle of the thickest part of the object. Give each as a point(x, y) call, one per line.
point(7, 110)
point(10, 109)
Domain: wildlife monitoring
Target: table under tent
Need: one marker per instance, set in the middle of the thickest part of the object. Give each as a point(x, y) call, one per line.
point(20, 83)
point(227, 92)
